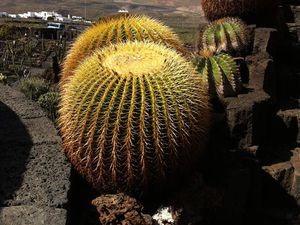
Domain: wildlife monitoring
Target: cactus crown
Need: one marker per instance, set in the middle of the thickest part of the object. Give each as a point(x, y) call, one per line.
point(227, 34)
point(130, 113)
point(220, 71)
point(116, 29)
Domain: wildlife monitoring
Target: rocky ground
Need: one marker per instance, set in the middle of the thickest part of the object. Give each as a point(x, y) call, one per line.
point(34, 172)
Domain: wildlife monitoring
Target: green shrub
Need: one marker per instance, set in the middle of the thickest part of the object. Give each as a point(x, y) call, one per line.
point(5, 32)
point(33, 87)
point(49, 102)
point(3, 79)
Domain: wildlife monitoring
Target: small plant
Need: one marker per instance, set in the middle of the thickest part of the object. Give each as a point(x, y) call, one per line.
point(220, 72)
point(227, 35)
point(116, 29)
point(131, 114)
point(3, 79)
point(6, 32)
point(49, 102)
point(33, 87)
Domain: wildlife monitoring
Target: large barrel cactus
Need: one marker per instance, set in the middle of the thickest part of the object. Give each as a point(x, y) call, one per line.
point(116, 29)
point(131, 116)
point(221, 73)
point(227, 34)
point(262, 12)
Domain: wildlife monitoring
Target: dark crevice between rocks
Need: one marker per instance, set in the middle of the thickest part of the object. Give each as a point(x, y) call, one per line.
point(15, 146)
point(80, 209)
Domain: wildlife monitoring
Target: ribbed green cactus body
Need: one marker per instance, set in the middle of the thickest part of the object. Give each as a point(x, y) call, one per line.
point(220, 72)
point(131, 114)
point(116, 29)
point(227, 35)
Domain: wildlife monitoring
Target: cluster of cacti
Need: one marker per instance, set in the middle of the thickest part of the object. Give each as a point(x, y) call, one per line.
point(228, 35)
point(221, 73)
point(33, 87)
point(116, 29)
point(131, 114)
point(217, 9)
point(49, 102)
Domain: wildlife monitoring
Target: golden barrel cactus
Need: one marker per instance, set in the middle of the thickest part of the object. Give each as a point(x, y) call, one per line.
point(132, 115)
point(116, 29)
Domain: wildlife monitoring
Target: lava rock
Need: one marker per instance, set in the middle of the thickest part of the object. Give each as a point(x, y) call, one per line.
point(247, 118)
point(31, 215)
point(291, 121)
point(121, 209)
point(262, 75)
point(265, 41)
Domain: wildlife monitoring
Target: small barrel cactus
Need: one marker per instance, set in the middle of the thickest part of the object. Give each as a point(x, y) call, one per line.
point(116, 29)
point(33, 87)
point(220, 72)
point(227, 34)
point(49, 102)
point(131, 114)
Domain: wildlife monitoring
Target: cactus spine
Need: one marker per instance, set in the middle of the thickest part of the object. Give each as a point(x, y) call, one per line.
point(130, 115)
point(116, 29)
point(227, 34)
point(261, 12)
point(220, 72)
point(217, 9)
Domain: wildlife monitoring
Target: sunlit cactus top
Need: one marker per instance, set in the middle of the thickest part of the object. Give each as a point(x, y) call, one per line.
point(227, 34)
point(116, 29)
point(131, 114)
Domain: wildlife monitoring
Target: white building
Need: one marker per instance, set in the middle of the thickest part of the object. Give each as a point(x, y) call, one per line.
point(23, 15)
point(3, 14)
point(123, 10)
point(31, 14)
point(45, 15)
point(77, 17)
point(62, 19)
point(13, 15)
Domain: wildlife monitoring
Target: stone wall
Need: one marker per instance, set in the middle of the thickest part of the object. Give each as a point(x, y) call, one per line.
point(34, 172)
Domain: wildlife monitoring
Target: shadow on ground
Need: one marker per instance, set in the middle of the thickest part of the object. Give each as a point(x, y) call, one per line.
point(15, 145)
